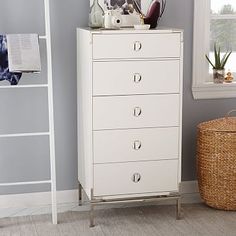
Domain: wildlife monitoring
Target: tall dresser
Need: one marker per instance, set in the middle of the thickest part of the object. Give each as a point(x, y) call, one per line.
point(129, 115)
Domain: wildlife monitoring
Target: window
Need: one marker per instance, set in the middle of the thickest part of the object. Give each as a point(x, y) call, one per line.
point(214, 21)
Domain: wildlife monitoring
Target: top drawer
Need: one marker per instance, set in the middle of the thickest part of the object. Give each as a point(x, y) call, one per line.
point(136, 46)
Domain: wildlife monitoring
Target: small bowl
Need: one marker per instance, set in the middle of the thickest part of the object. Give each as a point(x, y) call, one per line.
point(142, 27)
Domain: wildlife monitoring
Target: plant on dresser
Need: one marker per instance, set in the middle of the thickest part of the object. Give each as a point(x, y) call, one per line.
point(129, 115)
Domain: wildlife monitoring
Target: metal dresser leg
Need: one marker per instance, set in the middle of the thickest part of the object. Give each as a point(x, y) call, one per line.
point(80, 193)
point(91, 215)
point(94, 202)
point(178, 208)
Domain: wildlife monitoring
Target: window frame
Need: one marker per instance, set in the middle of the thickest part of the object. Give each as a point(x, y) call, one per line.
point(202, 89)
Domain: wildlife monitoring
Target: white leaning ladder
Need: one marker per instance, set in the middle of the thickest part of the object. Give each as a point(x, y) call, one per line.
point(50, 133)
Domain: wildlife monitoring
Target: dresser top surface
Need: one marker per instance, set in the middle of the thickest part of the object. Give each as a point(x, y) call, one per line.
point(159, 30)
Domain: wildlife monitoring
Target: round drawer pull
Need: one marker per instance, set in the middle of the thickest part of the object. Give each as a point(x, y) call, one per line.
point(136, 177)
point(137, 46)
point(137, 145)
point(137, 111)
point(137, 78)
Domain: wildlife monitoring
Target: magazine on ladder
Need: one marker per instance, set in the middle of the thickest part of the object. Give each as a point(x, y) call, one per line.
point(23, 53)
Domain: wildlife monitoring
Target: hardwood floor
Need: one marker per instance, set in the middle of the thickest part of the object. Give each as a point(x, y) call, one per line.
point(134, 221)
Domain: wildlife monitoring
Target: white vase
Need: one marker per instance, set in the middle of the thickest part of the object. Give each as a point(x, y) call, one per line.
point(96, 16)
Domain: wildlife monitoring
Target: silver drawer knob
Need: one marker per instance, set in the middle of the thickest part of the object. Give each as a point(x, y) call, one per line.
point(136, 177)
point(137, 145)
point(137, 46)
point(137, 78)
point(137, 111)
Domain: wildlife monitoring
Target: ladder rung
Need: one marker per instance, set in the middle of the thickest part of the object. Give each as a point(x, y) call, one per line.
point(24, 134)
point(24, 86)
point(25, 183)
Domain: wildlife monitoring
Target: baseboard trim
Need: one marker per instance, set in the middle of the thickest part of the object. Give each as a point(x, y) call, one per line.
point(37, 199)
point(39, 203)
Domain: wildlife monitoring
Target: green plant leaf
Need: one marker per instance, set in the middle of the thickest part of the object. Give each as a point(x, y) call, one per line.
point(226, 59)
point(223, 59)
point(215, 53)
point(219, 63)
point(210, 62)
point(218, 58)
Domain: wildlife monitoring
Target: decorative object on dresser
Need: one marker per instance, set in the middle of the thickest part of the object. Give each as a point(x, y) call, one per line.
point(129, 16)
point(129, 115)
point(154, 14)
point(96, 15)
point(219, 65)
point(142, 27)
point(112, 19)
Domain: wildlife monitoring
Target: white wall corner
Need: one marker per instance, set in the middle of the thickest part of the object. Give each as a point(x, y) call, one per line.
point(190, 192)
point(189, 187)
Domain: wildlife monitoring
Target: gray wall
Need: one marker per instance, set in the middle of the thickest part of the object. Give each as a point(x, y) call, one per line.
point(18, 159)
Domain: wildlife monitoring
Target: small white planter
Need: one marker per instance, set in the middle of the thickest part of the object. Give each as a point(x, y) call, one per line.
point(218, 76)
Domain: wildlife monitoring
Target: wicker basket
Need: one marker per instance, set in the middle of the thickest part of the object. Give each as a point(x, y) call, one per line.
point(216, 162)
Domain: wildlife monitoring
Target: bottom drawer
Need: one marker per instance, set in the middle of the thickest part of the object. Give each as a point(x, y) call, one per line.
point(135, 177)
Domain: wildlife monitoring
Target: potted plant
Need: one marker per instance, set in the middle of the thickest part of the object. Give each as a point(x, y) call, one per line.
point(219, 65)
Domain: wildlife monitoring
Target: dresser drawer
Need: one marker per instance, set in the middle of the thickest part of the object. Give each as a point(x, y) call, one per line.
point(136, 145)
point(135, 178)
point(136, 77)
point(139, 111)
point(136, 46)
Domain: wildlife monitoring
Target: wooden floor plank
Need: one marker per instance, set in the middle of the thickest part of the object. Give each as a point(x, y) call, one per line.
point(79, 222)
point(162, 218)
point(43, 225)
point(203, 220)
point(125, 221)
point(9, 227)
point(26, 226)
point(132, 221)
point(182, 226)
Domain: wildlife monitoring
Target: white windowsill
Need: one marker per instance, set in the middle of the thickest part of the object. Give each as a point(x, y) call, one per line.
point(212, 91)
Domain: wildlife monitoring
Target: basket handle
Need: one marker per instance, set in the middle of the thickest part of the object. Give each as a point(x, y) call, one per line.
point(229, 113)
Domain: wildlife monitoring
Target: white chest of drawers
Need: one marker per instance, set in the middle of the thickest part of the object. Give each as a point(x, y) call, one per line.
point(129, 113)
